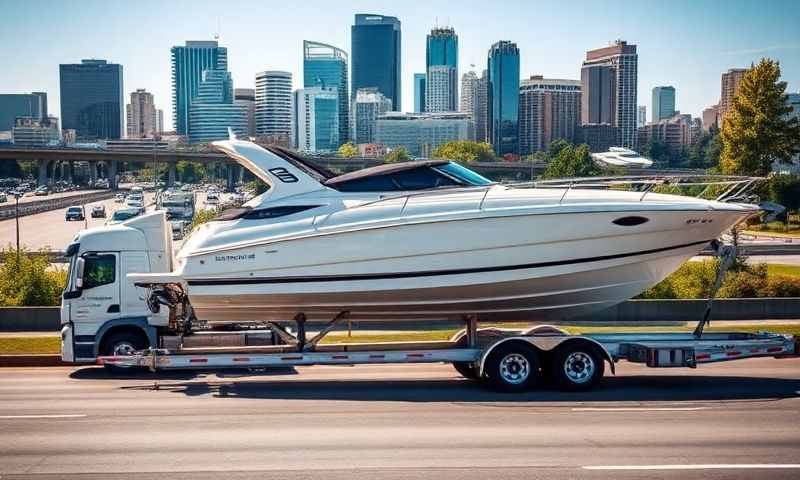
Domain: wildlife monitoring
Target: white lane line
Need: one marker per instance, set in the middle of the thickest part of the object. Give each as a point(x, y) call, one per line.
point(720, 466)
point(71, 415)
point(639, 409)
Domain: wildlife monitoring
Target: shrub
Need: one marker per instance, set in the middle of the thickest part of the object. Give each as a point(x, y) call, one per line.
point(28, 282)
point(782, 286)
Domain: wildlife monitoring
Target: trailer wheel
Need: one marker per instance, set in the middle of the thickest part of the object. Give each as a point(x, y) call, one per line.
point(466, 369)
point(512, 367)
point(576, 366)
point(123, 343)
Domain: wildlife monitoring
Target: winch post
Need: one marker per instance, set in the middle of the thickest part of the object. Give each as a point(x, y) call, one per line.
point(727, 255)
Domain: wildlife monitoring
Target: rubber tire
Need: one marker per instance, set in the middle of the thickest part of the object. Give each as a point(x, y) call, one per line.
point(559, 357)
point(491, 368)
point(138, 340)
point(466, 369)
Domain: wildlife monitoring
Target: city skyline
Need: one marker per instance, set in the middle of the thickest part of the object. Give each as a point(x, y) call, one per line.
point(689, 48)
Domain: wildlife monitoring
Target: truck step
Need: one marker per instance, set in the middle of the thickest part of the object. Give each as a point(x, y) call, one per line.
point(659, 356)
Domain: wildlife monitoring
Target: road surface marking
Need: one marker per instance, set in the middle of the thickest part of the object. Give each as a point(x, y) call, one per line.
point(72, 415)
point(639, 409)
point(720, 466)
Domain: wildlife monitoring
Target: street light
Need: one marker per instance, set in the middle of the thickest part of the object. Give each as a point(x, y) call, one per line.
point(16, 215)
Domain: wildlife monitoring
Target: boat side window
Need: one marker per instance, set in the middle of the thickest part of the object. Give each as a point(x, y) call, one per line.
point(422, 178)
point(99, 270)
point(275, 212)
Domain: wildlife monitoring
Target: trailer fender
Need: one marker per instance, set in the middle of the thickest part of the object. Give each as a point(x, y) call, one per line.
point(546, 343)
point(138, 322)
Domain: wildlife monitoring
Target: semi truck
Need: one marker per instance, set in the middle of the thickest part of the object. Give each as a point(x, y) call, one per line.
point(107, 319)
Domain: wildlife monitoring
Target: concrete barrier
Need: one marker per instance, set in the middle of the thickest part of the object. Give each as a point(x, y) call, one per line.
point(21, 319)
point(9, 210)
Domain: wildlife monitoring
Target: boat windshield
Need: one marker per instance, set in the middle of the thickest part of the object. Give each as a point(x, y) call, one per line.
point(465, 175)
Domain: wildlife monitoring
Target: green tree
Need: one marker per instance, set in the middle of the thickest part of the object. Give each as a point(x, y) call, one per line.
point(465, 151)
point(757, 129)
point(556, 146)
point(785, 190)
point(348, 150)
point(572, 161)
point(190, 172)
point(26, 280)
point(399, 154)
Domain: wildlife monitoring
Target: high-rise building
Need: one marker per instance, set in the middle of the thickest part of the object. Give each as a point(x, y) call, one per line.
point(159, 121)
point(480, 112)
point(663, 103)
point(29, 105)
point(213, 111)
point(142, 116)
point(317, 119)
point(247, 97)
point(469, 89)
point(326, 65)
point(609, 81)
point(92, 99)
point(369, 104)
point(549, 109)
point(188, 64)
point(710, 116)
point(422, 133)
point(503, 98)
point(441, 86)
point(728, 86)
point(675, 132)
point(375, 54)
point(419, 92)
point(35, 132)
point(598, 136)
point(274, 104)
point(641, 116)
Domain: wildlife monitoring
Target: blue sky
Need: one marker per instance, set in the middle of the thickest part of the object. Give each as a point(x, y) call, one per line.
point(683, 43)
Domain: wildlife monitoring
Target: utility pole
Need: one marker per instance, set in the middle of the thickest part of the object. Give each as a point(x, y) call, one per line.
point(16, 196)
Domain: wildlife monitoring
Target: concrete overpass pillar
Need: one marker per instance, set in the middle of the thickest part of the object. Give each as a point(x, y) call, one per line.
point(92, 171)
point(230, 177)
point(171, 173)
point(43, 178)
point(112, 174)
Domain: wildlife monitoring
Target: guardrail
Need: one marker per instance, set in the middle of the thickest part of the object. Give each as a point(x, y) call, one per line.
point(22, 319)
point(31, 208)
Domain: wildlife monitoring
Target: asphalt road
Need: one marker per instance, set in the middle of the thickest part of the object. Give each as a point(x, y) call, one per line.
point(732, 420)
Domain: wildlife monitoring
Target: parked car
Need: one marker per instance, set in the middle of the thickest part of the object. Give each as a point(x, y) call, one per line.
point(74, 212)
point(3, 198)
point(42, 191)
point(133, 203)
point(119, 198)
point(122, 214)
point(99, 211)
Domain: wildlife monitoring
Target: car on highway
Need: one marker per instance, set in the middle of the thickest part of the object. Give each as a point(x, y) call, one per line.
point(212, 198)
point(179, 228)
point(119, 198)
point(133, 203)
point(123, 214)
point(3, 198)
point(99, 211)
point(42, 191)
point(74, 212)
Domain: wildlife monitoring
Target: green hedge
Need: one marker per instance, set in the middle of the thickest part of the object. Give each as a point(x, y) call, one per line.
point(28, 280)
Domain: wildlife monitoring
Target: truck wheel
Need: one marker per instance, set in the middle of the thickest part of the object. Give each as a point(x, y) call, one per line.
point(466, 369)
point(120, 344)
point(512, 367)
point(576, 366)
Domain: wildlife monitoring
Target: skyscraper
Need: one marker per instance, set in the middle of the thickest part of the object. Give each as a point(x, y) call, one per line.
point(441, 85)
point(159, 121)
point(480, 113)
point(212, 111)
point(549, 109)
point(142, 116)
point(274, 104)
point(188, 64)
point(419, 92)
point(641, 116)
point(367, 107)
point(317, 119)
point(247, 97)
point(421, 133)
point(375, 54)
point(92, 99)
point(710, 117)
point(663, 103)
point(469, 89)
point(503, 98)
point(728, 86)
point(326, 65)
point(13, 105)
point(614, 68)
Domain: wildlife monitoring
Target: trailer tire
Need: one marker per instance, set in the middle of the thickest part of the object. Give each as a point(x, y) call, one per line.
point(576, 366)
point(123, 343)
point(466, 369)
point(512, 367)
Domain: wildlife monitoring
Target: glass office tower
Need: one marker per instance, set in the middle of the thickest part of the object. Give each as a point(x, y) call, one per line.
point(419, 92)
point(188, 64)
point(375, 53)
point(326, 65)
point(92, 99)
point(441, 57)
point(13, 105)
point(503, 98)
point(213, 111)
point(663, 103)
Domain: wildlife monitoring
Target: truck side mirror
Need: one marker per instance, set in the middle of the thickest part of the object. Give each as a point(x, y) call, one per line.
point(80, 264)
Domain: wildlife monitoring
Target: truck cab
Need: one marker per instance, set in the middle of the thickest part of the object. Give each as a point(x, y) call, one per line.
point(102, 312)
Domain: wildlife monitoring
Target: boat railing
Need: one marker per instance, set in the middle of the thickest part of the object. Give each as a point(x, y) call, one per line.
point(721, 187)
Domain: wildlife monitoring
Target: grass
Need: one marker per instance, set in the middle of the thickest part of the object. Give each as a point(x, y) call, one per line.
point(52, 344)
point(771, 233)
point(782, 269)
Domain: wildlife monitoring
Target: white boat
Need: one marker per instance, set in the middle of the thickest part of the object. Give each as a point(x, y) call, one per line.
point(621, 157)
point(429, 240)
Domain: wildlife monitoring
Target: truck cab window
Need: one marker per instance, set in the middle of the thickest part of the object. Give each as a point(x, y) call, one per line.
point(99, 270)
